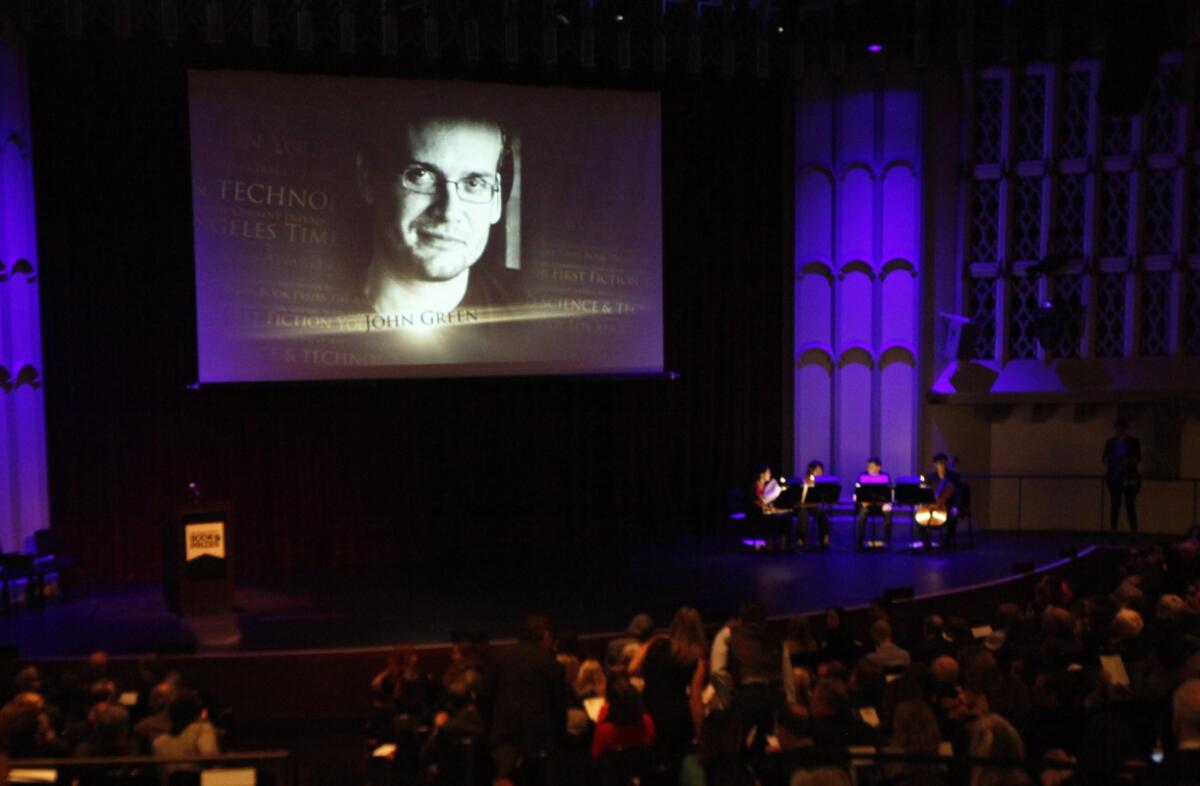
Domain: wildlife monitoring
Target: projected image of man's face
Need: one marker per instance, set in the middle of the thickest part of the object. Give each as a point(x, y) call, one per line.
point(437, 214)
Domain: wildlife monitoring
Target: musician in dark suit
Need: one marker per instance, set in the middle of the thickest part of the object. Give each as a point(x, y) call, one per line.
point(875, 468)
point(525, 695)
point(820, 515)
point(1122, 454)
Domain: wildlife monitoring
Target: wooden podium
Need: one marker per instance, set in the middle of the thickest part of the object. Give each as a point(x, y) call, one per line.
point(197, 559)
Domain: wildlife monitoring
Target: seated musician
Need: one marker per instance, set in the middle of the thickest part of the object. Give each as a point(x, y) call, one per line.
point(943, 513)
point(814, 471)
point(874, 468)
point(766, 491)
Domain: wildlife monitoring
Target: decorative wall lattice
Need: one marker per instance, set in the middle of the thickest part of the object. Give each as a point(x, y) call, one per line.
point(1022, 309)
point(989, 106)
point(1073, 127)
point(1114, 214)
point(1158, 211)
point(1156, 313)
point(1027, 211)
point(982, 309)
point(1115, 210)
point(1191, 319)
point(1110, 315)
point(1162, 113)
point(1117, 137)
point(1068, 292)
point(1070, 207)
point(1194, 213)
point(985, 211)
point(1031, 117)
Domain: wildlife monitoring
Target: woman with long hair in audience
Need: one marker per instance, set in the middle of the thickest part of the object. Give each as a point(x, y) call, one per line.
point(668, 664)
point(838, 643)
point(914, 731)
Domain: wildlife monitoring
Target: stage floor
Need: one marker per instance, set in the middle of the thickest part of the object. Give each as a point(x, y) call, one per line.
point(591, 591)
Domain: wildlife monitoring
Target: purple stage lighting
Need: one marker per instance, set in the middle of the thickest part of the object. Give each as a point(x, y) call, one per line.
point(874, 48)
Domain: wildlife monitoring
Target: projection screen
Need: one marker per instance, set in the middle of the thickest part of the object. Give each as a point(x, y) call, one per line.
point(369, 228)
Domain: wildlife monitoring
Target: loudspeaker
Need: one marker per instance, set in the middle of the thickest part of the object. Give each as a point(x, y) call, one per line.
point(961, 334)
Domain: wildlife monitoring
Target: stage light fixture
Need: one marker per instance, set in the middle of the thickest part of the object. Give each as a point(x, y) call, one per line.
point(347, 36)
point(73, 18)
point(762, 58)
point(512, 32)
point(260, 24)
point(624, 50)
point(304, 27)
point(433, 43)
point(587, 48)
point(390, 41)
point(168, 20)
point(874, 48)
point(471, 41)
point(214, 23)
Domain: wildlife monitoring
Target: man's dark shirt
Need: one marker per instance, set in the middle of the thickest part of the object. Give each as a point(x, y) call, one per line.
point(525, 693)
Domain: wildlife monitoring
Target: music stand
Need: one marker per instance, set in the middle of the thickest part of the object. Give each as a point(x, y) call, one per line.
point(825, 490)
point(788, 498)
point(912, 491)
point(822, 493)
point(876, 492)
point(873, 490)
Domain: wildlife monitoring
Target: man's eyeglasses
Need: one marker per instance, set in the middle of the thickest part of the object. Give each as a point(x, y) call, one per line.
point(477, 189)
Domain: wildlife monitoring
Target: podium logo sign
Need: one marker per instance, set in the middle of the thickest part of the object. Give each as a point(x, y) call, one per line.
point(204, 539)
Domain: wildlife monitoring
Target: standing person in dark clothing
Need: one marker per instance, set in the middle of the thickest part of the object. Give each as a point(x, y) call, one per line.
point(668, 664)
point(759, 669)
point(1122, 454)
point(525, 694)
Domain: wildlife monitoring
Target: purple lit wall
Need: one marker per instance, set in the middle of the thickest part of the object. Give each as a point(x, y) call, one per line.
point(857, 262)
point(24, 505)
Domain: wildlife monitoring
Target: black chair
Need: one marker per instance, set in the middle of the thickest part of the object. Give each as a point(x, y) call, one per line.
point(963, 503)
point(49, 559)
point(16, 567)
point(118, 776)
point(625, 767)
point(184, 778)
point(462, 761)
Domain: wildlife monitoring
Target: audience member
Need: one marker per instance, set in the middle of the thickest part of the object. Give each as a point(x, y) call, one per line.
point(886, 654)
point(147, 730)
point(623, 722)
point(191, 734)
point(838, 644)
point(524, 700)
point(108, 733)
point(621, 650)
point(667, 664)
point(759, 670)
point(914, 731)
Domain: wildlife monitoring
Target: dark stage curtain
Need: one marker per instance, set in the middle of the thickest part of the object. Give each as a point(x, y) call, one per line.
point(335, 477)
